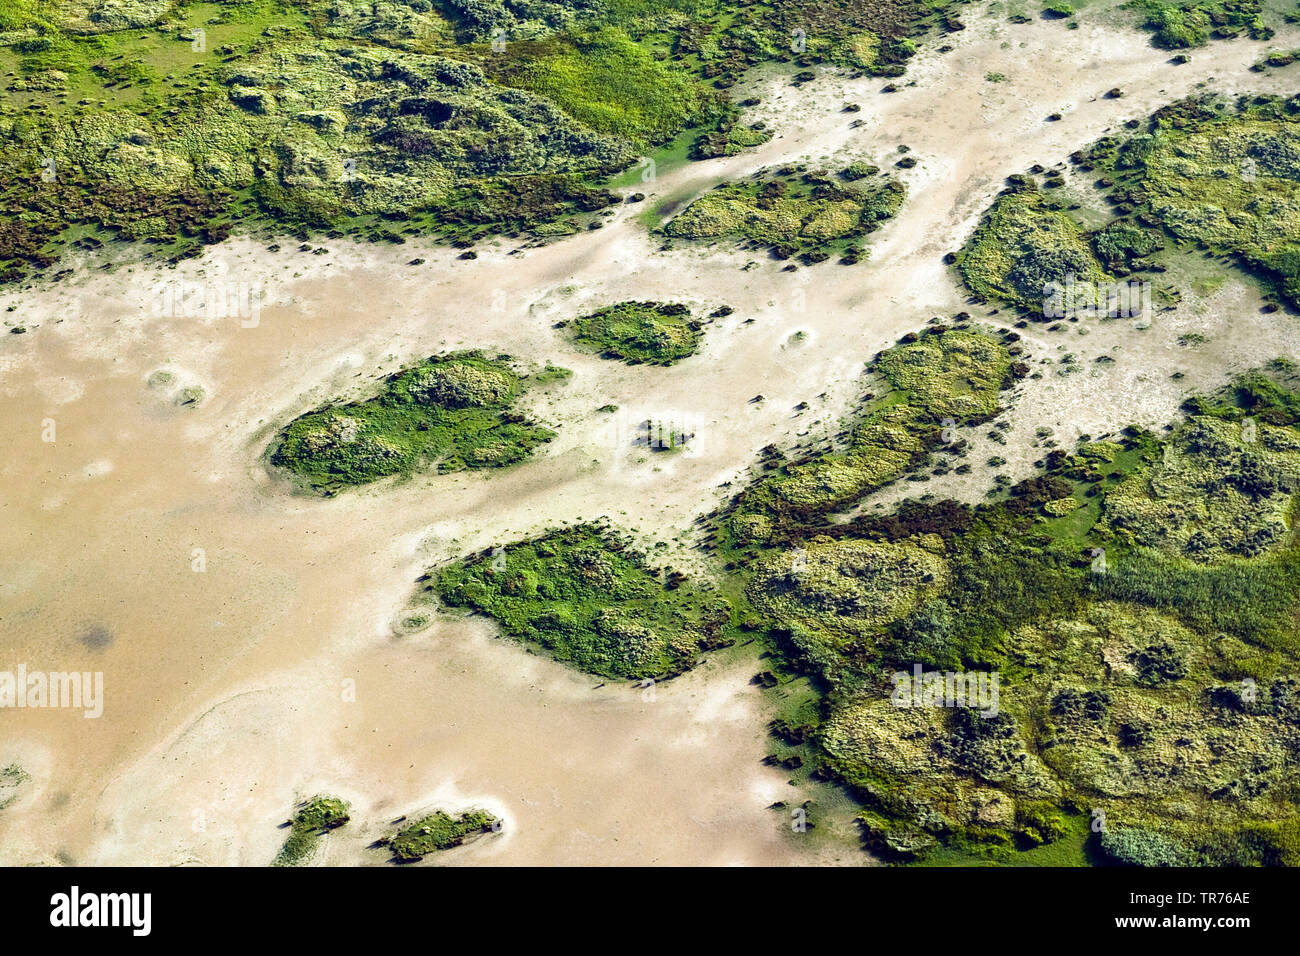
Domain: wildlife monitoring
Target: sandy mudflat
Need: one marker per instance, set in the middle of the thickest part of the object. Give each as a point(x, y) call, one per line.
point(225, 688)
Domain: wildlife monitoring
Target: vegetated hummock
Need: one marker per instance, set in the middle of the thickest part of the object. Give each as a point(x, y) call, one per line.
point(1026, 240)
point(313, 819)
point(794, 211)
point(437, 831)
point(589, 600)
point(1217, 175)
point(1275, 60)
point(657, 333)
point(1203, 173)
point(1138, 601)
point(1192, 23)
point(455, 410)
point(173, 122)
point(941, 379)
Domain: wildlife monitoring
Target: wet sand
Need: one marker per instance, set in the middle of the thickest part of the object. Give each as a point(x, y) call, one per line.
point(227, 687)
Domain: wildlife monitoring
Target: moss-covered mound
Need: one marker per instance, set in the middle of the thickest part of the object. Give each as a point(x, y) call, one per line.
point(794, 212)
point(653, 332)
point(1218, 175)
point(437, 831)
point(610, 84)
point(1192, 23)
point(1275, 60)
point(313, 819)
point(830, 593)
point(173, 122)
point(1144, 642)
point(953, 373)
point(1220, 490)
point(589, 600)
point(944, 378)
point(453, 410)
point(1025, 243)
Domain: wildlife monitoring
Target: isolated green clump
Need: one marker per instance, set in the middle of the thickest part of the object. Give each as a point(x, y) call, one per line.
point(1276, 60)
point(587, 598)
point(313, 819)
point(793, 212)
point(12, 778)
point(1025, 243)
point(1191, 23)
point(652, 332)
point(437, 831)
point(454, 410)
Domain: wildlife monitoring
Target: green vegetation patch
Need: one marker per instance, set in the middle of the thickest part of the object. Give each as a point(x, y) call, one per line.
point(720, 39)
point(1220, 490)
point(652, 332)
point(953, 373)
point(356, 130)
point(1221, 176)
point(944, 378)
point(438, 831)
point(1148, 702)
point(292, 124)
point(729, 136)
point(611, 85)
point(882, 448)
point(832, 593)
point(174, 122)
point(313, 819)
point(94, 16)
point(454, 410)
point(794, 212)
point(1193, 23)
point(591, 601)
point(1024, 244)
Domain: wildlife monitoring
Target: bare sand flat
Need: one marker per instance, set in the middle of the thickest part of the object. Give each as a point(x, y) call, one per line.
point(227, 688)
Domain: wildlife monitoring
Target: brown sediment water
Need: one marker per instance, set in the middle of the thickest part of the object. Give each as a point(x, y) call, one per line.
point(246, 634)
